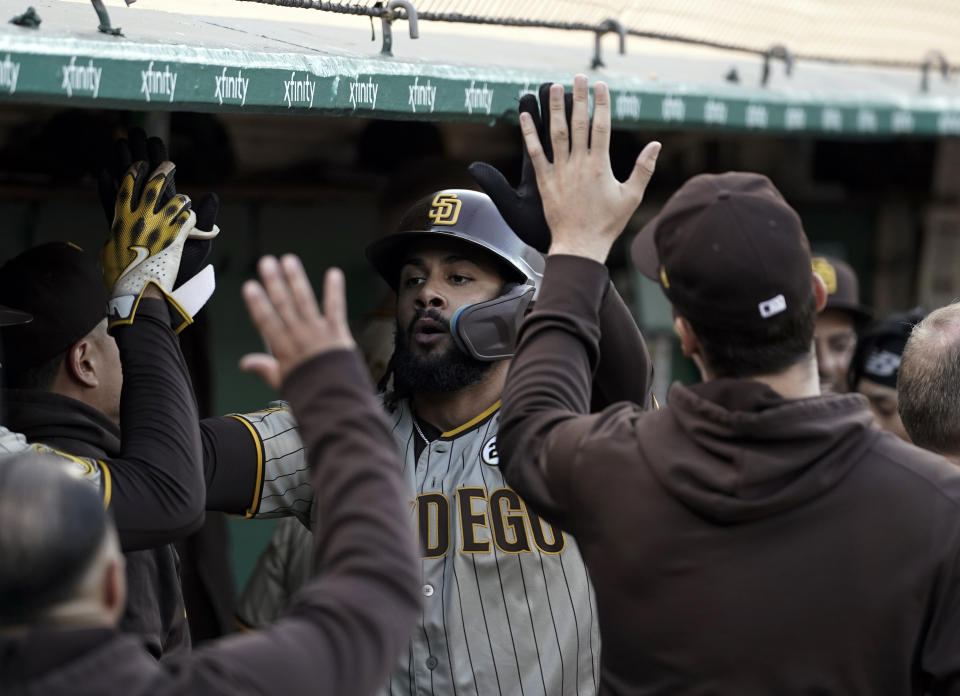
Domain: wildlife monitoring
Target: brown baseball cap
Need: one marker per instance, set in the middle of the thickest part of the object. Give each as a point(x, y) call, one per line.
point(843, 288)
point(728, 252)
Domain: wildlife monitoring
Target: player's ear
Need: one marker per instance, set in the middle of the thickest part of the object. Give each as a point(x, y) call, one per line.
point(79, 363)
point(819, 291)
point(690, 345)
point(688, 340)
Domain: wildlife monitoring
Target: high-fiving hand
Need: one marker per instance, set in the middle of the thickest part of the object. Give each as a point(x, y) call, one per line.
point(584, 204)
point(159, 240)
point(521, 206)
point(284, 309)
point(145, 243)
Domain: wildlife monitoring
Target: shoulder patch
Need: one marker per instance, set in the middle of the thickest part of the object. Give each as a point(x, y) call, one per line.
point(92, 470)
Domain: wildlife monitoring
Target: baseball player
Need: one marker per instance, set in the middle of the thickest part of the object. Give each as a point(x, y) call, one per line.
point(839, 322)
point(508, 604)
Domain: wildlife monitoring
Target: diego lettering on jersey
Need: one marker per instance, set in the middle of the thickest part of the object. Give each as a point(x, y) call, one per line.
point(484, 521)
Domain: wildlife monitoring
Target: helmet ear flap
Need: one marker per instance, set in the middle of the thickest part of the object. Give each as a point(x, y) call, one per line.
point(488, 330)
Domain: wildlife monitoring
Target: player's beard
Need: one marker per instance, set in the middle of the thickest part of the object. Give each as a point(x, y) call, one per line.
point(443, 373)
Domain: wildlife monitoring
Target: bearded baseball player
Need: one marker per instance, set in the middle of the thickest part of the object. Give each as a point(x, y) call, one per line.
point(508, 603)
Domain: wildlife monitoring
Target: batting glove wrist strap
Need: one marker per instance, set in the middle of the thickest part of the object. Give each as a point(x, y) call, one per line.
point(122, 310)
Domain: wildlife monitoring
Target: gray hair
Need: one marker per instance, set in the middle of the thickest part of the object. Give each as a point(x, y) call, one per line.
point(929, 382)
point(52, 526)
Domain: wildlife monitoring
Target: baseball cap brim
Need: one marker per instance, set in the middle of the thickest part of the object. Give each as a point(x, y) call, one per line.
point(12, 317)
point(861, 315)
point(643, 250)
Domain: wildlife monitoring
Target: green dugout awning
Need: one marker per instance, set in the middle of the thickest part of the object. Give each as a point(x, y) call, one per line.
point(280, 60)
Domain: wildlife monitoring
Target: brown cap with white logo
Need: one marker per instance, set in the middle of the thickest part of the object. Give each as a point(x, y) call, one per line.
point(728, 251)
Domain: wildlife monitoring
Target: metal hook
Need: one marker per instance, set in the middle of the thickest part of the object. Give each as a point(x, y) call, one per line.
point(387, 19)
point(928, 61)
point(105, 26)
point(776, 51)
point(606, 26)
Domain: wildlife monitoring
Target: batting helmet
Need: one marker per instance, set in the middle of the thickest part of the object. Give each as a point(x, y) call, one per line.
point(486, 330)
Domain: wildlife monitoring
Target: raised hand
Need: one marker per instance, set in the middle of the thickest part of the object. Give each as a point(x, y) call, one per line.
point(146, 241)
point(585, 206)
point(137, 147)
point(522, 208)
point(284, 310)
point(193, 282)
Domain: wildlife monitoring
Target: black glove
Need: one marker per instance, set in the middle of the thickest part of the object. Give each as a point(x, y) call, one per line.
point(521, 207)
point(138, 148)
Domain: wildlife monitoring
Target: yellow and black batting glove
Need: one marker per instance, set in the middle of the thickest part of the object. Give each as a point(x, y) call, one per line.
point(145, 243)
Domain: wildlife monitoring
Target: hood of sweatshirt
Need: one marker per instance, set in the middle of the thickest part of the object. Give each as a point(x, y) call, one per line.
point(734, 450)
point(47, 660)
point(61, 422)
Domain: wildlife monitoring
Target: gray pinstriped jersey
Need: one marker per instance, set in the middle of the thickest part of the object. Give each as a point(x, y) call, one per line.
point(508, 608)
point(284, 486)
point(91, 470)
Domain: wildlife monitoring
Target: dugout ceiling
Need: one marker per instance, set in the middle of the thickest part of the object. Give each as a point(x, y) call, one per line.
point(855, 69)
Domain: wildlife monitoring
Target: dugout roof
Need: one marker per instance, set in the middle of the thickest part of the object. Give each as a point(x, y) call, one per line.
point(856, 65)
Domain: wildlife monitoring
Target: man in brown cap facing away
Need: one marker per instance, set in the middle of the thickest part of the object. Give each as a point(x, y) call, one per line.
point(751, 537)
point(835, 335)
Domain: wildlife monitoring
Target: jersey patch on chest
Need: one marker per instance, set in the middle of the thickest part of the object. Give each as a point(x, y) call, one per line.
point(490, 454)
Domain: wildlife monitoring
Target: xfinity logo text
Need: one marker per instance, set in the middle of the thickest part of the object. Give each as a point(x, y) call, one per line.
point(9, 72)
point(479, 98)
point(232, 87)
point(422, 95)
point(158, 83)
point(299, 92)
point(364, 93)
point(81, 78)
point(627, 105)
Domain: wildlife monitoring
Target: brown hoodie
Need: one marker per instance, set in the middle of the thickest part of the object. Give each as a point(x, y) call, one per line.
point(344, 630)
point(739, 543)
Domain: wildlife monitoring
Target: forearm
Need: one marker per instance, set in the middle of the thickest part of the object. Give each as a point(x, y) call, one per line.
point(358, 488)
point(625, 370)
point(551, 376)
point(350, 622)
point(157, 487)
point(232, 465)
point(256, 466)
